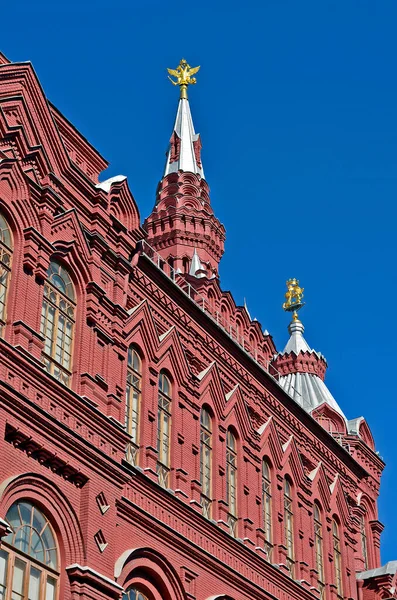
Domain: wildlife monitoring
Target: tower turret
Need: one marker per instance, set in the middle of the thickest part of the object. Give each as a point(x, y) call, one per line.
point(302, 369)
point(182, 227)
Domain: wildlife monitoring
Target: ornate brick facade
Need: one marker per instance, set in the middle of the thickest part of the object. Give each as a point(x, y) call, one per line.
point(142, 421)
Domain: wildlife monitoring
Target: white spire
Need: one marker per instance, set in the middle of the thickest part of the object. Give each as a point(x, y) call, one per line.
point(296, 342)
point(184, 157)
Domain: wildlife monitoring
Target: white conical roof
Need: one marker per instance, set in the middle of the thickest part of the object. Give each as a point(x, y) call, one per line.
point(296, 342)
point(309, 390)
point(184, 129)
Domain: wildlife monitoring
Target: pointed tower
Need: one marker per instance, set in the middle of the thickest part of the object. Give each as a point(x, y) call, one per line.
point(302, 369)
point(182, 227)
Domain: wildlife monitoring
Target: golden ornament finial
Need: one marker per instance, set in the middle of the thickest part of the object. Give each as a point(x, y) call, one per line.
point(293, 296)
point(183, 74)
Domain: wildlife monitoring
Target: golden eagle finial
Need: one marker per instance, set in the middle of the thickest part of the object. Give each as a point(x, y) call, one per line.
point(293, 297)
point(183, 74)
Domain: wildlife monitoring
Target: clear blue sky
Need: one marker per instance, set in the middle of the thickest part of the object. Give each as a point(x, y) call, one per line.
point(296, 106)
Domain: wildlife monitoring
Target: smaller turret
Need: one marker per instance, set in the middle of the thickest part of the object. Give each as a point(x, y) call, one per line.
point(302, 369)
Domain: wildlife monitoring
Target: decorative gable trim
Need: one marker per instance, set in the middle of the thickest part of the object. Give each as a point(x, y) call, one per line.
point(271, 441)
point(320, 486)
point(292, 459)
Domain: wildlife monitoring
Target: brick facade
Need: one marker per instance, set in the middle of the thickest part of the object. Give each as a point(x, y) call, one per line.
point(63, 447)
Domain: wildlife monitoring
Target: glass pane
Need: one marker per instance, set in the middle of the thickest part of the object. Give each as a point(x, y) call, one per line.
point(36, 546)
point(39, 521)
point(50, 589)
point(13, 516)
point(5, 235)
point(22, 538)
point(18, 579)
point(25, 511)
point(34, 584)
point(3, 573)
point(51, 559)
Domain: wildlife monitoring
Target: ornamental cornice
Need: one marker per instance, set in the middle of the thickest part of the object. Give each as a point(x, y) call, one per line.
point(49, 402)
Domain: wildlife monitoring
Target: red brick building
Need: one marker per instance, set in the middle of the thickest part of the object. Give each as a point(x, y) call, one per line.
point(154, 445)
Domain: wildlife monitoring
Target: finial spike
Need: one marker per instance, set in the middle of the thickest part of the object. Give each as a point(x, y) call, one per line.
point(183, 74)
point(293, 297)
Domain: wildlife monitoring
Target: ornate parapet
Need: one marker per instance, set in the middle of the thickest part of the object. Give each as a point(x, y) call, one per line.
point(303, 362)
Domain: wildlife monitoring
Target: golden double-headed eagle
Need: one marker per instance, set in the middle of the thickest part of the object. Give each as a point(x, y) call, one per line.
point(183, 74)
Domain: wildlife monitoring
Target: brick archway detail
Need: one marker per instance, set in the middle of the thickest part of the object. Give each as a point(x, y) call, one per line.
point(43, 493)
point(132, 566)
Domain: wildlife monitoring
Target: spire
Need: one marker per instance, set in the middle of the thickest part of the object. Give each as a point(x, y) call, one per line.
point(182, 226)
point(185, 144)
point(296, 342)
point(302, 369)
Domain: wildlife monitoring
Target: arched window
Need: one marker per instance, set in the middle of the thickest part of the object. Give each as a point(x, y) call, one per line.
point(133, 403)
point(185, 265)
point(364, 544)
point(206, 462)
point(29, 567)
point(5, 267)
point(337, 558)
point(289, 526)
point(318, 546)
point(164, 430)
point(231, 481)
point(134, 594)
point(57, 322)
point(267, 507)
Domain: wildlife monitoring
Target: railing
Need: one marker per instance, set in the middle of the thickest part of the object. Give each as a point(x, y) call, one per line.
point(132, 453)
point(203, 303)
point(290, 566)
point(339, 437)
point(232, 522)
point(163, 474)
point(206, 504)
point(269, 550)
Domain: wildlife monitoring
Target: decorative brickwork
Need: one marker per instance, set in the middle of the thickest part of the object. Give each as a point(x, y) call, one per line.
point(65, 443)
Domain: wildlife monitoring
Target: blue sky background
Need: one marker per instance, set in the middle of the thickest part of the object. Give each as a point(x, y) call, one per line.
point(296, 106)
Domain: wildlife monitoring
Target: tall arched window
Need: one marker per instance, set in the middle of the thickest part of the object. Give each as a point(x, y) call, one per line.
point(206, 462)
point(164, 430)
point(318, 546)
point(134, 594)
point(267, 507)
point(57, 322)
point(133, 404)
point(364, 544)
point(29, 567)
point(231, 481)
point(337, 558)
point(5, 267)
point(289, 526)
